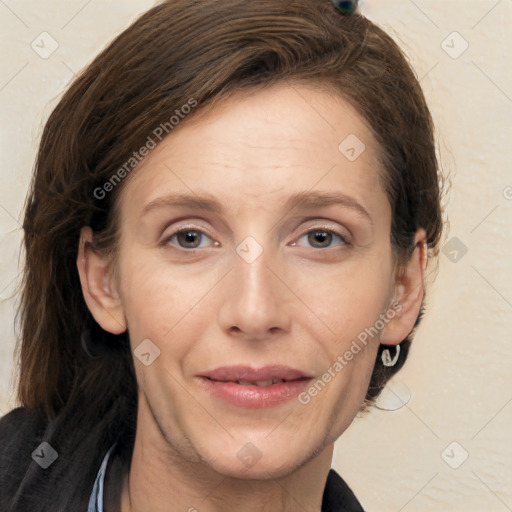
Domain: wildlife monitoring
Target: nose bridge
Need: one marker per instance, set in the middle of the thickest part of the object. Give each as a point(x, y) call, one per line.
point(252, 273)
point(255, 302)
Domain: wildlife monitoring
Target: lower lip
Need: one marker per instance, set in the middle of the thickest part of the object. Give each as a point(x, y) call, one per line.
point(254, 397)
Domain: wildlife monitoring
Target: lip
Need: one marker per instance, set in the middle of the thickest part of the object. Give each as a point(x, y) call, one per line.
point(243, 372)
point(222, 383)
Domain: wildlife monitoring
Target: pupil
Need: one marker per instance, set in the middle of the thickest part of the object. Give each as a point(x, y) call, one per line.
point(320, 237)
point(189, 237)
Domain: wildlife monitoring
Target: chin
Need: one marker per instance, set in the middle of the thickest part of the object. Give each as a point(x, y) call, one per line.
point(254, 460)
point(259, 471)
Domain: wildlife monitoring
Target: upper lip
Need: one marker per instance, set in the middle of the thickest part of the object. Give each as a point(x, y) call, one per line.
point(250, 374)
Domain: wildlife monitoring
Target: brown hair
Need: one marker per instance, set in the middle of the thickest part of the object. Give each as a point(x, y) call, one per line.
point(205, 51)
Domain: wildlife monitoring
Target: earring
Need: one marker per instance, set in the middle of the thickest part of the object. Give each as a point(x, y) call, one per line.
point(386, 356)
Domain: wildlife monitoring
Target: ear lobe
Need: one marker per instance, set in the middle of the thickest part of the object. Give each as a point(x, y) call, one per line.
point(409, 293)
point(98, 287)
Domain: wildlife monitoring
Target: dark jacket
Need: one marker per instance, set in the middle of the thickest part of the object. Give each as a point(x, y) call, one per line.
point(66, 484)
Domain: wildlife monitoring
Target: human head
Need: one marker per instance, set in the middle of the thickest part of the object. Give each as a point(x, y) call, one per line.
point(203, 52)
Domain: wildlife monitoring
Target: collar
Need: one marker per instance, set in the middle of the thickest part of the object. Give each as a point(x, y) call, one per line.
point(96, 499)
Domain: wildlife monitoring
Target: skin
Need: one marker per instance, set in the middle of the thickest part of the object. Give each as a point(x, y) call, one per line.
point(300, 303)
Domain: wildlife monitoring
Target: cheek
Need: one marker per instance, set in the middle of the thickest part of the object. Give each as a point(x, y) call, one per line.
point(347, 298)
point(161, 302)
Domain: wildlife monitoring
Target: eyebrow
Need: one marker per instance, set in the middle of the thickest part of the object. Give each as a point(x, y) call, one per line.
point(313, 199)
point(305, 200)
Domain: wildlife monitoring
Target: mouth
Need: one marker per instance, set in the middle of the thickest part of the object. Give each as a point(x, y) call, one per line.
point(254, 388)
point(259, 383)
point(248, 376)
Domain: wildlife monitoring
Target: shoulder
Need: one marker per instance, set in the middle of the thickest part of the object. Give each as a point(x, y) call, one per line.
point(19, 421)
point(19, 429)
point(20, 432)
point(338, 497)
point(19, 425)
point(40, 454)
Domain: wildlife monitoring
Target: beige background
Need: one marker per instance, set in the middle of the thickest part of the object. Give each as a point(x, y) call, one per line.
point(459, 370)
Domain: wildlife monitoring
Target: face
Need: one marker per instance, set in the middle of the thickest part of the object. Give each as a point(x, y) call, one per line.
point(248, 238)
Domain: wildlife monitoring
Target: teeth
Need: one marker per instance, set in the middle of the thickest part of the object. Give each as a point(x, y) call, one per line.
point(260, 383)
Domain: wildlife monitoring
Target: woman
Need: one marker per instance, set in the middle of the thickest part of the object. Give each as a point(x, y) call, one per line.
point(226, 238)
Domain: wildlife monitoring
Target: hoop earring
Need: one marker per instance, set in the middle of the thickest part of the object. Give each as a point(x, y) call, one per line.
point(386, 356)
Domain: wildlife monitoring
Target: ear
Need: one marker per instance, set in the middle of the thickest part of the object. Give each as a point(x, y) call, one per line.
point(98, 285)
point(409, 293)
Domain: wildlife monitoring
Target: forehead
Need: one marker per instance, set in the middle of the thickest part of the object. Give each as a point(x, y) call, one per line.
point(263, 145)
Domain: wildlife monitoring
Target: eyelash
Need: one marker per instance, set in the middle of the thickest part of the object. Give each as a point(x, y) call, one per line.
point(319, 229)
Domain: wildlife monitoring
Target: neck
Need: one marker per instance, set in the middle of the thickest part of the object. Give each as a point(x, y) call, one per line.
point(163, 478)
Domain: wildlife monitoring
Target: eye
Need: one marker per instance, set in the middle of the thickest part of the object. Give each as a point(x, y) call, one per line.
point(189, 238)
point(322, 239)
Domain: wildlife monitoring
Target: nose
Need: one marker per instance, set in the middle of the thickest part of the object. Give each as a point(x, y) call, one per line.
point(256, 301)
